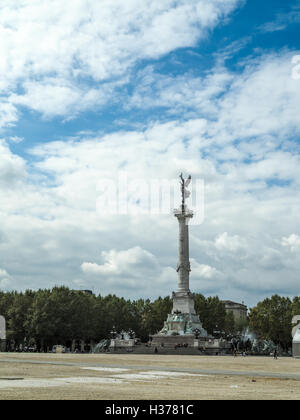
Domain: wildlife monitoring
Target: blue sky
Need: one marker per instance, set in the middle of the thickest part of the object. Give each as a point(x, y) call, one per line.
point(243, 26)
point(207, 88)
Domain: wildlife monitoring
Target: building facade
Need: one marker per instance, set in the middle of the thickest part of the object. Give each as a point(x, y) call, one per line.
point(239, 310)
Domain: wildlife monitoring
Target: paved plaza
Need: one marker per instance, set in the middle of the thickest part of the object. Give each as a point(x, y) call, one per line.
point(145, 377)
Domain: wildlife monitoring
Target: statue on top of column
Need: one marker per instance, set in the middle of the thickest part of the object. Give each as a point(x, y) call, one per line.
point(184, 192)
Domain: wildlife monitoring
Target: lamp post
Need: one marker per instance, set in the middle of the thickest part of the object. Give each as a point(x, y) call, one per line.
point(217, 332)
point(113, 333)
point(197, 333)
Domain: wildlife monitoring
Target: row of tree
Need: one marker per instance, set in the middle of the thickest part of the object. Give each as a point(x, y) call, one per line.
point(271, 319)
point(60, 315)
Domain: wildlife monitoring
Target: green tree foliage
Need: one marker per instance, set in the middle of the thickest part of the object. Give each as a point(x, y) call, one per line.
point(230, 328)
point(155, 314)
point(17, 315)
point(61, 315)
point(211, 311)
point(240, 325)
point(271, 320)
point(295, 306)
point(6, 302)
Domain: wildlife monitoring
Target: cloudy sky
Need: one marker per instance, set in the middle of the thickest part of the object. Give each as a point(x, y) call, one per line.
point(92, 91)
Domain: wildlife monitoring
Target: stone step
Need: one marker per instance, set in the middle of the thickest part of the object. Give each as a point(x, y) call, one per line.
point(142, 349)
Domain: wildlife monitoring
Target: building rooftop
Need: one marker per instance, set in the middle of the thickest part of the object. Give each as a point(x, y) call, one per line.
point(231, 303)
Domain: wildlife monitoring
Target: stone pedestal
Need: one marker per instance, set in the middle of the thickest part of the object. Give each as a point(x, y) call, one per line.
point(170, 341)
point(183, 302)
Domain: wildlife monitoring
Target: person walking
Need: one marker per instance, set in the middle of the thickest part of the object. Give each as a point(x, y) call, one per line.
point(275, 353)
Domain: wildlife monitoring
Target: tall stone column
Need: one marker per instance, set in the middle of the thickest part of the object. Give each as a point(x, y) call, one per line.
point(183, 267)
point(183, 300)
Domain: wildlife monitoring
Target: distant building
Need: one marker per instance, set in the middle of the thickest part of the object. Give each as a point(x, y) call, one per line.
point(239, 310)
point(89, 292)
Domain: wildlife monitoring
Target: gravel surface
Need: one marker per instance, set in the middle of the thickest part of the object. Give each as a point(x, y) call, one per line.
point(143, 377)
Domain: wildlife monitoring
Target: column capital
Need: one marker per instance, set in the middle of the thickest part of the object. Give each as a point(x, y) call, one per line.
point(183, 214)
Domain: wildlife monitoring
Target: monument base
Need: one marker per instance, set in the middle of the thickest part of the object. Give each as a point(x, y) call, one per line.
point(182, 324)
point(171, 341)
point(188, 344)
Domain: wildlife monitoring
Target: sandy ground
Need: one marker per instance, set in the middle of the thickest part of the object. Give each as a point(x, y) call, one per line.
point(147, 377)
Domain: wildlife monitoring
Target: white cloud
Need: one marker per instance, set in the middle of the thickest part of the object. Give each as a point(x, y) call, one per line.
point(3, 273)
point(50, 97)
point(224, 242)
point(12, 167)
point(8, 113)
point(261, 100)
point(16, 139)
point(203, 270)
point(292, 241)
point(59, 56)
point(282, 21)
point(5, 280)
point(119, 263)
point(5, 284)
point(134, 268)
point(183, 93)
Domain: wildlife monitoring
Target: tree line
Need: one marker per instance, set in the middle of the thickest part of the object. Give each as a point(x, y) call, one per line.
point(271, 319)
point(58, 316)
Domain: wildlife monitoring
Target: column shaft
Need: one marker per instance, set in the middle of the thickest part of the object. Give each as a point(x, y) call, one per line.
point(183, 267)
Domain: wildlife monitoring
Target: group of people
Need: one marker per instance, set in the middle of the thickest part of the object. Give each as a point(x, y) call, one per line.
point(180, 345)
point(244, 354)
